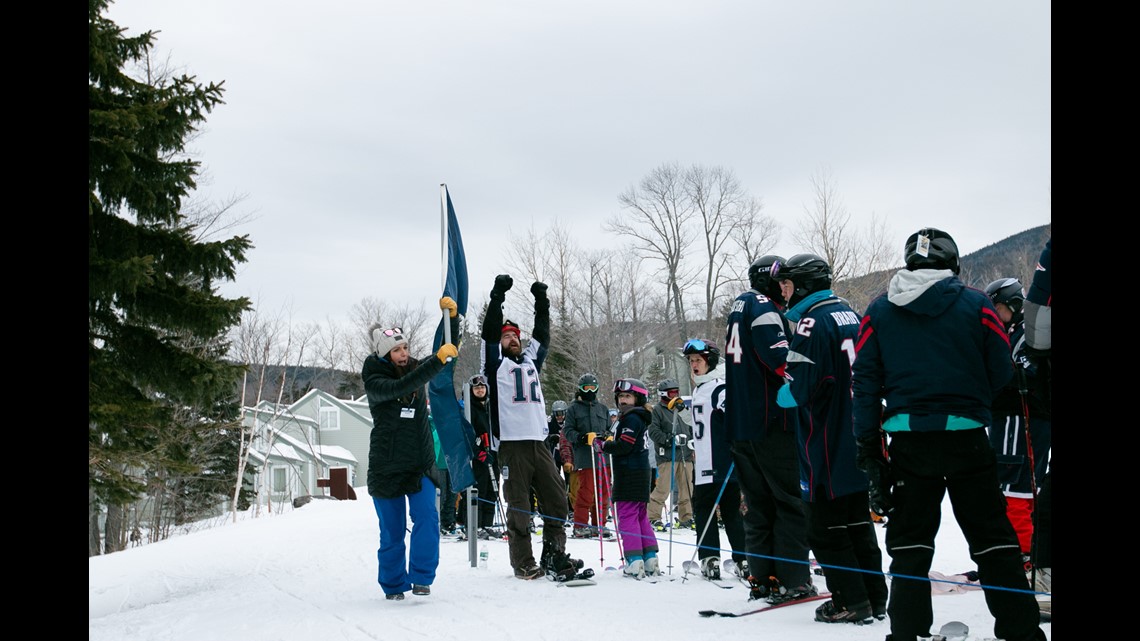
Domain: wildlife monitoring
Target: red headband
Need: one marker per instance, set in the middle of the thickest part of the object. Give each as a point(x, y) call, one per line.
point(512, 328)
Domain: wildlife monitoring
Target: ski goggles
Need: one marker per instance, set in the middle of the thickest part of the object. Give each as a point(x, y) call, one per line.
point(478, 380)
point(624, 385)
point(774, 270)
point(589, 388)
point(392, 332)
point(695, 346)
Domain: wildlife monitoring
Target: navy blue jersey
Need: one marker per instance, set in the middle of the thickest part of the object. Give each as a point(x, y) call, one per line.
point(820, 357)
point(755, 350)
point(934, 350)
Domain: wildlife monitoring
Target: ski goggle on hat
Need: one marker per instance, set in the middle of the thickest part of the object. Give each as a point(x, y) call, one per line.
point(624, 385)
point(695, 346)
point(478, 380)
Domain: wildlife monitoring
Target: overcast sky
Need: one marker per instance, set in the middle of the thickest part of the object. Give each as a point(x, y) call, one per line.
point(343, 117)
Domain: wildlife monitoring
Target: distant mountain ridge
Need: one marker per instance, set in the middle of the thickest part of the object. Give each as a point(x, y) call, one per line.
point(1015, 256)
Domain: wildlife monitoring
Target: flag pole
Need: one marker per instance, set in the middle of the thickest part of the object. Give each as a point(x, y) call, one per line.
point(443, 256)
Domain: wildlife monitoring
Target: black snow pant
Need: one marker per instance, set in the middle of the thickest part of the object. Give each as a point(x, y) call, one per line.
point(924, 467)
point(776, 522)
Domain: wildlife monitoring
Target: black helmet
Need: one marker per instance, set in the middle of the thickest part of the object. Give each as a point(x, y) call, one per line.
point(665, 386)
point(759, 276)
point(937, 251)
point(633, 386)
point(704, 348)
point(808, 272)
point(558, 408)
point(1007, 291)
point(588, 381)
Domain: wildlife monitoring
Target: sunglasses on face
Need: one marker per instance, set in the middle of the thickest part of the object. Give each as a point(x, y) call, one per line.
point(589, 388)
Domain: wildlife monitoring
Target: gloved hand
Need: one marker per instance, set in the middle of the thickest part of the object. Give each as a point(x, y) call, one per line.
point(568, 467)
point(446, 352)
point(447, 303)
point(503, 283)
point(869, 457)
point(550, 441)
point(681, 440)
point(675, 403)
point(590, 436)
point(538, 289)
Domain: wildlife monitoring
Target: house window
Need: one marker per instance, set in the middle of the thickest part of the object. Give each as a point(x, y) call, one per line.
point(330, 418)
point(279, 479)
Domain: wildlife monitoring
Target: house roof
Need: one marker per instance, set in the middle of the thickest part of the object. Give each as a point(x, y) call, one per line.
point(354, 407)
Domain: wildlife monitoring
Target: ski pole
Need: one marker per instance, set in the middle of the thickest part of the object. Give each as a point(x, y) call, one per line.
point(495, 487)
point(712, 514)
point(1023, 390)
point(597, 510)
point(672, 487)
point(613, 508)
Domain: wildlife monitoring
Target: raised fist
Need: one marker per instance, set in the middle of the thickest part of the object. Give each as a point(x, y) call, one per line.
point(538, 289)
point(503, 283)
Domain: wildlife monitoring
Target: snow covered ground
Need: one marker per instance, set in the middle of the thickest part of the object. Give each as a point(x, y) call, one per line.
point(310, 574)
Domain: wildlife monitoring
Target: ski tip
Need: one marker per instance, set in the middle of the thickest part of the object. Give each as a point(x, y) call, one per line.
point(707, 613)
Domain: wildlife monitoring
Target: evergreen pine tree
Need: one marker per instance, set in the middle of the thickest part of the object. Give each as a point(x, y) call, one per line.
point(156, 325)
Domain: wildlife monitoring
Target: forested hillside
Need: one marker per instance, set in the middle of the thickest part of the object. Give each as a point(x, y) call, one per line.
point(1015, 256)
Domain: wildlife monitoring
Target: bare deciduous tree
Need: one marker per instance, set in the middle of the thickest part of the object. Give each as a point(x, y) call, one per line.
point(824, 228)
point(658, 212)
point(724, 209)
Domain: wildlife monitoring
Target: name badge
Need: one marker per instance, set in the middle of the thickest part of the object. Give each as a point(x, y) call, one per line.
point(407, 412)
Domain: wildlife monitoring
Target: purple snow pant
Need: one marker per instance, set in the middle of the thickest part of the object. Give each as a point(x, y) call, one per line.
point(637, 535)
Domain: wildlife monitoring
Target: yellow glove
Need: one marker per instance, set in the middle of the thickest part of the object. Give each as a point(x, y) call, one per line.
point(610, 437)
point(568, 467)
point(449, 305)
point(446, 352)
point(674, 402)
point(590, 437)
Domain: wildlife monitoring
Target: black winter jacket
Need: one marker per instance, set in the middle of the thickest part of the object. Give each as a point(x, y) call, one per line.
point(661, 433)
point(633, 477)
point(401, 450)
point(583, 417)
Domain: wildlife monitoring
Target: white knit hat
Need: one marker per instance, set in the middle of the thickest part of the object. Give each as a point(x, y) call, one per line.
point(385, 339)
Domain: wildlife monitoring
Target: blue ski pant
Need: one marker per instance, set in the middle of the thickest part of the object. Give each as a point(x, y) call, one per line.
point(399, 569)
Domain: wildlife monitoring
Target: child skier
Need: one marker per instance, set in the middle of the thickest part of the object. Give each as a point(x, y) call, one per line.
point(630, 447)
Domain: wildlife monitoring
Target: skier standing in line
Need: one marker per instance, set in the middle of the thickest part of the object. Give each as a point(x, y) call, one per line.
point(631, 476)
point(713, 468)
point(936, 352)
point(670, 432)
point(1016, 404)
point(840, 530)
point(588, 414)
point(764, 439)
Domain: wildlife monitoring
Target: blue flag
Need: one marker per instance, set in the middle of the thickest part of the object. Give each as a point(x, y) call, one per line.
point(456, 436)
